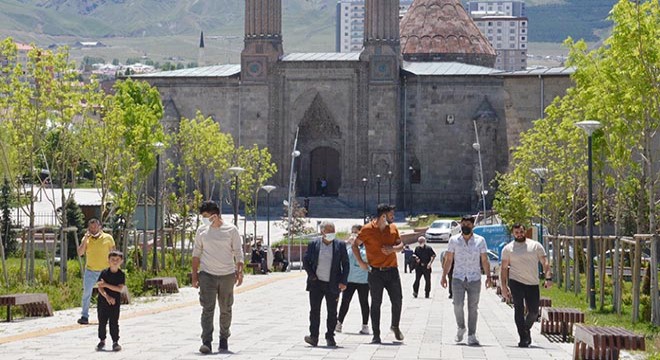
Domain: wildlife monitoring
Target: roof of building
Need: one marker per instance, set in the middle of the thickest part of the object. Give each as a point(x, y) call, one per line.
point(441, 27)
point(447, 68)
point(322, 57)
point(543, 71)
point(206, 71)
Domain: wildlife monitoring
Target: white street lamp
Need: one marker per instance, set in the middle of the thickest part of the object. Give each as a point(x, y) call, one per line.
point(235, 170)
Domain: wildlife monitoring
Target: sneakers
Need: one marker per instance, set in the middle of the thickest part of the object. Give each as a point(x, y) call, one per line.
point(83, 320)
point(331, 342)
point(472, 340)
point(459, 335)
point(311, 340)
point(376, 340)
point(365, 329)
point(205, 348)
point(414, 294)
point(338, 327)
point(224, 346)
point(116, 347)
point(397, 333)
point(100, 346)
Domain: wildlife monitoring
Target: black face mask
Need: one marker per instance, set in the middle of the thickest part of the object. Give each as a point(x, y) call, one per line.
point(521, 239)
point(466, 230)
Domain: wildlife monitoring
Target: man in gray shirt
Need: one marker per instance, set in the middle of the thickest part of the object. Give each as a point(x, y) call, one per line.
point(218, 256)
point(326, 264)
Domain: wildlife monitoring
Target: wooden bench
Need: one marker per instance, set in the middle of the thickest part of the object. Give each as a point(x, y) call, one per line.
point(544, 302)
point(163, 284)
point(33, 304)
point(256, 268)
point(594, 342)
point(560, 321)
point(125, 295)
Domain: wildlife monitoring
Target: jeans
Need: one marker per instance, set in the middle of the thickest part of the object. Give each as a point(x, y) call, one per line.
point(363, 295)
point(317, 291)
point(210, 288)
point(422, 270)
point(107, 312)
point(473, 290)
point(385, 279)
point(90, 279)
point(524, 295)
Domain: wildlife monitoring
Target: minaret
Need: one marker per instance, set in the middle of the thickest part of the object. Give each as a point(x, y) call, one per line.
point(200, 54)
point(263, 38)
point(381, 39)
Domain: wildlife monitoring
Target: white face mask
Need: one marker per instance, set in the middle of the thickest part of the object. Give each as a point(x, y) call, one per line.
point(330, 236)
point(206, 221)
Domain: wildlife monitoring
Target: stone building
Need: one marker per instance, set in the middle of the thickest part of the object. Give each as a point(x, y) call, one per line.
point(409, 103)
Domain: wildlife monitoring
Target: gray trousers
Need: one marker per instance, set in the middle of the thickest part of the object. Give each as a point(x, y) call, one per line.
point(210, 288)
point(473, 290)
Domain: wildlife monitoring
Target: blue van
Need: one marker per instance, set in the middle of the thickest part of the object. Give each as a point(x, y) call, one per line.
point(495, 236)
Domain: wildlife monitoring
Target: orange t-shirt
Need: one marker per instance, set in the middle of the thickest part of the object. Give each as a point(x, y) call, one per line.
point(373, 239)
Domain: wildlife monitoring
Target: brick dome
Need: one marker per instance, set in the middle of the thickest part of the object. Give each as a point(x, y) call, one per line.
point(441, 30)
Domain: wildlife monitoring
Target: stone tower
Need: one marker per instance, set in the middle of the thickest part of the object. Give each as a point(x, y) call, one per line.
point(200, 54)
point(263, 39)
point(381, 39)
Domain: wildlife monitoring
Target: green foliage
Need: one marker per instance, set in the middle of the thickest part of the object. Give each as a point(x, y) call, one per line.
point(258, 170)
point(75, 217)
point(8, 237)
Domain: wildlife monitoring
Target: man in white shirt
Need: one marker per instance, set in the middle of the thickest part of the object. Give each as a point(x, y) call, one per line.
point(218, 256)
point(466, 251)
point(520, 279)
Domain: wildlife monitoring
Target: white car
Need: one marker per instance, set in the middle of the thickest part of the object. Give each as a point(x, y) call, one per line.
point(441, 230)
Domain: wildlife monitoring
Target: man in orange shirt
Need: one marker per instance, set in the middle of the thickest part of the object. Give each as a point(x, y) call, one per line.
point(382, 241)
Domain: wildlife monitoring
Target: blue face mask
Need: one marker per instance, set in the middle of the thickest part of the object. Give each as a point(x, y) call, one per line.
point(330, 236)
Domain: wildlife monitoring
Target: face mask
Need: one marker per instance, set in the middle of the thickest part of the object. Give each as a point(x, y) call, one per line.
point(520, 239)
point(206, 221)
point(96, 235)
point(330, 236)
point(466, 230)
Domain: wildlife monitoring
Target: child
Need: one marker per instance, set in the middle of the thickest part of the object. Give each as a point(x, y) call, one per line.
point(110, 284)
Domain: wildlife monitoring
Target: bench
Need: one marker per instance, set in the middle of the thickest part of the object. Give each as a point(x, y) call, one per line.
point(560, 321)
point(594, 342)
point(256, 268)
point(544, 302)
point(162, 284)
point(125, 295)
point(33, 304)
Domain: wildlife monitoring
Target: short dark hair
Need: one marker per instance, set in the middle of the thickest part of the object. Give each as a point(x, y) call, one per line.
point(469, 218)
point(384, 209)
point(209, 207)
point(116, 253)
point(518, 226)
point(357, 227)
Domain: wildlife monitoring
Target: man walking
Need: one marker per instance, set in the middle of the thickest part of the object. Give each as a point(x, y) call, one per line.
point(466, 251)
point(382, 241)
point(326, 264)
point(95, 246)
point(520, 280)
point(218, 256)
point(423, 257)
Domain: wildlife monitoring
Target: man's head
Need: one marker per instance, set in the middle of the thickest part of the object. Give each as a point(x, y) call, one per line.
point(421, 241)
point(467, 224)
point(210, 211)
point(94, 227)
point(327, 230)
point(518, 231)
point(115, 258)
point(356, 229)
point(385, 211)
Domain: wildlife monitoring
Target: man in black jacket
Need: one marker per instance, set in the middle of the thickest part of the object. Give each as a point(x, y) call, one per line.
point(423, 258)
point(326, 264)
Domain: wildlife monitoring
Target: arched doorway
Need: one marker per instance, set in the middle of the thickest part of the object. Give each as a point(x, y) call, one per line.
point(324, 164)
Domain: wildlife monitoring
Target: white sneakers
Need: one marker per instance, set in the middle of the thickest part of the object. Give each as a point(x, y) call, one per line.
point(338, 327)
point(365, 329)
point(459, 335)
point(472, 340)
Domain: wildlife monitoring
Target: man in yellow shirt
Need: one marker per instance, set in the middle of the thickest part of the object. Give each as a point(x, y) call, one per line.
point(95, 246)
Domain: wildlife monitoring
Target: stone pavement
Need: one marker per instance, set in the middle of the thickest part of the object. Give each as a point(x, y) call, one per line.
point(269, 322)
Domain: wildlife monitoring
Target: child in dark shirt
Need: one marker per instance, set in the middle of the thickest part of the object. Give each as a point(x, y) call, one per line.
point(110, 284)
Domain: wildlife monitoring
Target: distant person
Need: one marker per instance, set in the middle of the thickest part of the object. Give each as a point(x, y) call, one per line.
point(110, 284)
point(259, 257)
point(279, 260)
point(467, 252)
point(408, 259)
point(382, 241)
point(95, 246)
point(520, 280)
point(218, 257)
point(324, 186)
point(423, 257)
point(358, 280)
point(326, 264)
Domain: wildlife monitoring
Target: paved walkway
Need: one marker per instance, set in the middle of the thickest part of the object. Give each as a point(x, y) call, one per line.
point(270, 321)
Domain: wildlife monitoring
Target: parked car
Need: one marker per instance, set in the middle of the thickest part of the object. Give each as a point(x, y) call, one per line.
point(442, 230)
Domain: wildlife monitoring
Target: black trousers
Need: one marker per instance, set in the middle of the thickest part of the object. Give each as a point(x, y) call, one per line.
point(408, 266)
point(363, 295)
point(108, 313)
point(524, 295)
point(389, 280)
point(317, 291)
point(422, 270)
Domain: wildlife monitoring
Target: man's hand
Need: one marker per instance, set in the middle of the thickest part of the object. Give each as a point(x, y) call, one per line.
point(195, 281)
point(489, 282)
point(342, 287)
point(506, 293)
point(109, 299)
point(363, 265)
point(428, 266)
point(547, 284)
point(100, 284)
point(386, 249)
point(239, 278)
point(443, 282)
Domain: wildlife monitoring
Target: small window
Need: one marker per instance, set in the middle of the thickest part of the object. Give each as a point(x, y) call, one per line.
point(490, 23)
point(522, 46)
point(499, 23)
point(499, 31)
point(524, 23)
point(522, 31)
point(522, 38)
point(512, 46)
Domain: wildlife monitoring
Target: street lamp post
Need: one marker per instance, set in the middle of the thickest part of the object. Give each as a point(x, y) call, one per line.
point(589, 127)
point(235, 170)
point(389, 177)
point(294, 154)
point(476, 146)
point(268, 189)
point(154, 260)
point(378, 187)
point(541, 173)
point(364, 200)
point(411, 171)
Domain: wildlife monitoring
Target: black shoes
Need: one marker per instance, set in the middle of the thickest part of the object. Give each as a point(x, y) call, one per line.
point(414, 294)
point(224, 345)
point(376, 339)
point(397, 333)
point(100, 346)
point(427, 295)
point(525, 341)
point(331, 342)
point(311, 340)
point(83, 321)
point(116, 347)
point(205, 348)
